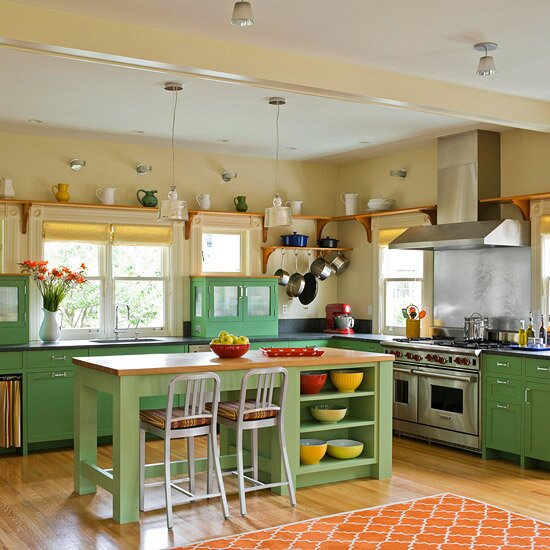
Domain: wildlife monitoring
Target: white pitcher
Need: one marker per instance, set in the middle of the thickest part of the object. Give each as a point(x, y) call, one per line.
point(350, 203)
point(6, 188)
point(106, 194)
point(203, 201)
point(295, 207)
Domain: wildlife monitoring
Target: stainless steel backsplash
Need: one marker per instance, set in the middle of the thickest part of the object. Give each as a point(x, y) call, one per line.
point(495, 282)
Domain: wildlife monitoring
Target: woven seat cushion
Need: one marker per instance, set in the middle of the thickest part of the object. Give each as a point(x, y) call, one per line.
point(157, 417)
point(229, 410)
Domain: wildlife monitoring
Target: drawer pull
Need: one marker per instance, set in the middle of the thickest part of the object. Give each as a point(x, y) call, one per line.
point(506, 382)
point(543, 369)
point(59, 375)
point(500, 406)
point(499, 364)
point(58, 358)
point(527, 390)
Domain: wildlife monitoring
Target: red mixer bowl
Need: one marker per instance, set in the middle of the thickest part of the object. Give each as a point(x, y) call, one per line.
point(312, 382)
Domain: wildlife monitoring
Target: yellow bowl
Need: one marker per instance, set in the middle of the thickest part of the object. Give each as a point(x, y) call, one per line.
point(346, 381)
point(327, 414)
point(312, 450)
point(344, 448)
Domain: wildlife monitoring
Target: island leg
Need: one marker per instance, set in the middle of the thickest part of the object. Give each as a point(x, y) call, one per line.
point(85, 432)
point(126, 449)
point(383, 468)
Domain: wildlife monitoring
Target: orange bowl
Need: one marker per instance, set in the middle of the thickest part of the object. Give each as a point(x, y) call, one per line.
point(229, 351)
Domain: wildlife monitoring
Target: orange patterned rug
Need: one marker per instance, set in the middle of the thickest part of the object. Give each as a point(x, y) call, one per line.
point(440, 522)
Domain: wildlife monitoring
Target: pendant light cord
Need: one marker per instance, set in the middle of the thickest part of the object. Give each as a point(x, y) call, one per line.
point(277, 150)
point(173, 134)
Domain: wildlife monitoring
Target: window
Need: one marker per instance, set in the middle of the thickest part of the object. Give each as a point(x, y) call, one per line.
point(402, 276)
point(223, 252)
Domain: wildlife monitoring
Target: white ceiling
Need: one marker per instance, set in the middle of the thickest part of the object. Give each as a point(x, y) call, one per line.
point(431, 38)
point(91, 100)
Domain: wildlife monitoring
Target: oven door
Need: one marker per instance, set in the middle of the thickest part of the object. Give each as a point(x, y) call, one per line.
point(405, 393)
point(449, 399)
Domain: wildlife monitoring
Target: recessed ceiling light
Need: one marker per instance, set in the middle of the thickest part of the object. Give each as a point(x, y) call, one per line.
point(138, 132)
point(35, 121)
point(291, 148)
point(222, 141)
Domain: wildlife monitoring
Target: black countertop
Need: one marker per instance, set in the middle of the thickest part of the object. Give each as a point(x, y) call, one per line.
point(187, 340)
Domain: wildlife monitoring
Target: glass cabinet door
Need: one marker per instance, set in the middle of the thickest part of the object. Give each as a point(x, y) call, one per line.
point(259, 301)
point(224, 301)
point(12, 304)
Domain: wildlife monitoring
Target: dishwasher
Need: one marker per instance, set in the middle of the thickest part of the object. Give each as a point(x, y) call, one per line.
point(197, 348)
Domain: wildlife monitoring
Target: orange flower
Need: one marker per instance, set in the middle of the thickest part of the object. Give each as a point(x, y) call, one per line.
point(83, 266)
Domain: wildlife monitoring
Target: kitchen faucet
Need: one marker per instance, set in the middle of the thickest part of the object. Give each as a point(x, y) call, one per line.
point(118, 330)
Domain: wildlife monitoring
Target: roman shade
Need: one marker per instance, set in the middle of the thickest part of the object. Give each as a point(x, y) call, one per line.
point(159, 235)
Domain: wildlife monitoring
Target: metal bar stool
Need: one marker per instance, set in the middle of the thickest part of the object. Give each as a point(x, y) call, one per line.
point(185, 422)
point(254, 414)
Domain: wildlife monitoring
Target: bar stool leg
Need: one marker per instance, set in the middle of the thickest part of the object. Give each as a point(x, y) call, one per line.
point(167, 480)
point(209, 465)
point(286, 465)
point(240, 470)
point(254, 451)
point(191, 463)
point(142, 469)
point(213, 444)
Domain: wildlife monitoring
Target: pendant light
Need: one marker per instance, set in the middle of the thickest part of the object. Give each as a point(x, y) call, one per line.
point(486, 66)
point(277, 215)
point(173, 209)
point(242, 15)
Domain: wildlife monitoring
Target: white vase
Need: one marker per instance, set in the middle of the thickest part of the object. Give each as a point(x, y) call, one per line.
point(49, 329)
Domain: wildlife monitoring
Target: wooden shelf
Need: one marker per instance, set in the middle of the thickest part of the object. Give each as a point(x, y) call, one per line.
point(329, 463)
point(308, 426)
point(520, 201)
point(268, 250)
point(323, 395)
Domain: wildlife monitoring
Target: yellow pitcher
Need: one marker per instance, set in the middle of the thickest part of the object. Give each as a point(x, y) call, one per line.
point(61, 192)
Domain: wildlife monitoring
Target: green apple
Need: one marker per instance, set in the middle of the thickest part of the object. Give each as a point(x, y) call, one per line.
point(226, 340)
point(233, 338)
point(222, 334)
point(216, 341)
point(242, 340)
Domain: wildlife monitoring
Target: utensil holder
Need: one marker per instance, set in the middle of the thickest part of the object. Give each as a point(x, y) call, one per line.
point(412, 328)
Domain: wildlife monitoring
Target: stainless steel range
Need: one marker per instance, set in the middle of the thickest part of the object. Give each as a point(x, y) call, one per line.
point(437, 389)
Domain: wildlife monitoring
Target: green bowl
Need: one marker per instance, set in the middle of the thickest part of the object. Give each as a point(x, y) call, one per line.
point(328, 414)
point(344, 449)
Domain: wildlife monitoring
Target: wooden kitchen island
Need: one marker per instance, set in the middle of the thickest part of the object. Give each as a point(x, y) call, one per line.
point(129, 377)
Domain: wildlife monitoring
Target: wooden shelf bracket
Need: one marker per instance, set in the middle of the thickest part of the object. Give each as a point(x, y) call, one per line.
point(431, 213)
point(523, 206)
point(366, 222)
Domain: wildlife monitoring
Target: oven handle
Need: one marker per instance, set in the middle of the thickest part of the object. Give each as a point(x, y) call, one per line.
point(470, 379)
point(406, 371)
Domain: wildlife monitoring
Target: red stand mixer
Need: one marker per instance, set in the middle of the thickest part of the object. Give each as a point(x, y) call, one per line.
point(339, 319)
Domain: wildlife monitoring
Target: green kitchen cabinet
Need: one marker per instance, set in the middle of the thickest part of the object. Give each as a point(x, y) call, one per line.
point(239, 305)
point(14, 309)
point(308, 343)
point(11, 362)
point(537, 420)
point(503, 426)
point(358, 345)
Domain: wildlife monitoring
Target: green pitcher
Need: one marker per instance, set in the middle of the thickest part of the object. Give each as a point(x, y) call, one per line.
point(240, 203)
point(148, 199)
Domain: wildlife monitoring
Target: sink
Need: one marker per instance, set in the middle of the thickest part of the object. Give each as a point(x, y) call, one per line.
point(123, 340)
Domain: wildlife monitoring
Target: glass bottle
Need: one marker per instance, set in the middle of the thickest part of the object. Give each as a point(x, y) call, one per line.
point(522, 334)
point(530, 330)
point(542, 330)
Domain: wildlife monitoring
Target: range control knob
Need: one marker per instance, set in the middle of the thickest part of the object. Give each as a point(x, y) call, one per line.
point(408, 355)
point(465, 361)
point(417, 357)
point(458, 360)
point(429, 357)
point(397, 353)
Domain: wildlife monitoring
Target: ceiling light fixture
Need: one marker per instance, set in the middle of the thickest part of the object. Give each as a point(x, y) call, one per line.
point(242, 15)
point(277, 215)
point(35, 121)
point(173, 209)
point(227, 175)
point(77, 164)
point(486, 66)
point(143, 169)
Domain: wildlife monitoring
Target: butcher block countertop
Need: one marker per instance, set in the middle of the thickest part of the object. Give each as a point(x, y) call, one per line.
point(179, 363)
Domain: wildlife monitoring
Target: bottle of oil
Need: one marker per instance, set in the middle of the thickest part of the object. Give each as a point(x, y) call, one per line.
point(530, 330)
point(542, 330)
point(522, 334)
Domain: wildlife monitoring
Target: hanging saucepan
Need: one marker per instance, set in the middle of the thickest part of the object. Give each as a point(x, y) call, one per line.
point(296, 283)
point(340, 264)
point(283, 275)
point(321, 268)
point(310, 290)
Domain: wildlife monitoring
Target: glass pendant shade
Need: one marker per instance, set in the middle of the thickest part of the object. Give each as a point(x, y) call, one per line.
point(173, 209)
point(486, 66)
point(277, 215)
point(242, 15)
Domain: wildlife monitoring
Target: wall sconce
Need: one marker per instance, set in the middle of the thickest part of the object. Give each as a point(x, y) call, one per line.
point(77, 164)
point(227, 176)
point(143, 169)
point(401, 173)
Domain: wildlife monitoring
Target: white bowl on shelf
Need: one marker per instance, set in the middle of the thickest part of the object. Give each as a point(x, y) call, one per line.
point(380, 204)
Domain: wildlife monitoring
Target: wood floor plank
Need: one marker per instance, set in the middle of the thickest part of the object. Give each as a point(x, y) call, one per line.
point(38, 509)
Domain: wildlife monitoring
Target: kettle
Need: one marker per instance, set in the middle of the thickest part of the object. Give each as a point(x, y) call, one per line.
point(344, 321)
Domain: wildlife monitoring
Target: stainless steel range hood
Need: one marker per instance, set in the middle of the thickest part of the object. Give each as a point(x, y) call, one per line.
point(468, 171)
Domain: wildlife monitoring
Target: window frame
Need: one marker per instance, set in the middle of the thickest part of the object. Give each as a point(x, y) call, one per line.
point(244, 235)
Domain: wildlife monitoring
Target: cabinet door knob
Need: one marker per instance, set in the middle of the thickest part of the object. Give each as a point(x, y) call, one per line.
point(543, 369)
point(500, 406)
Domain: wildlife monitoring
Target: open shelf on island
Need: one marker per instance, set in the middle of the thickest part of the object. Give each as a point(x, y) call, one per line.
point(308, 426)
point(329, 463)
point(330, 394)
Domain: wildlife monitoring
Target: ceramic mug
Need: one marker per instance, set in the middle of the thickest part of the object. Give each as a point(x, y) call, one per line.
point(203, 201)
point(295, 207)
point(350, 203)
point(106, 194)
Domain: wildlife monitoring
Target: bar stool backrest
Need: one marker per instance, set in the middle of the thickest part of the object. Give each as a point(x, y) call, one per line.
point(267, 378)
point(195, 392)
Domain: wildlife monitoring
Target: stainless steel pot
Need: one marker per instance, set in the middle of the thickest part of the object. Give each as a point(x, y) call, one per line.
point(321, 269)
point(296, 283)
point(344, 321)
point(340, 264)
point(284, 276)
point(475, 327)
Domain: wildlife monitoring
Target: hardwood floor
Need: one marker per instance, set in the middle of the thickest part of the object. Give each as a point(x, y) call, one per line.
point(38, 508)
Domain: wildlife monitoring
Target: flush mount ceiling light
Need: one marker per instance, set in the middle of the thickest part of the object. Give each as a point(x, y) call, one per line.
point(77, 164)
point(242, 15)
point(143, 169)
point(173, 209)
point(277, 215)
point(486, 65)
point(227, 175)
